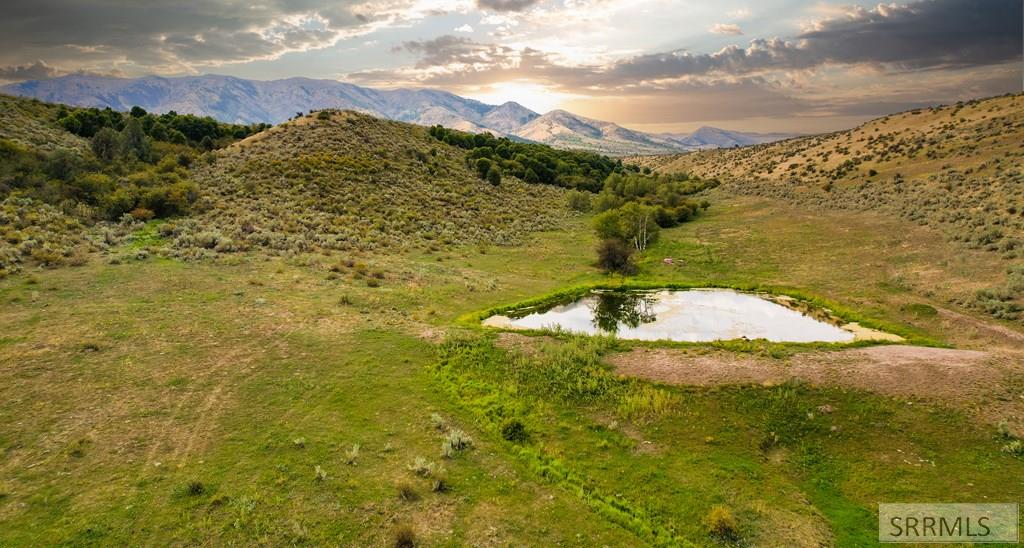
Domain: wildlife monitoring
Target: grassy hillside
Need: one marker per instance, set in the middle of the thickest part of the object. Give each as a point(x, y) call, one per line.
point(34, 123)
point(346, 181)
point(957, 169)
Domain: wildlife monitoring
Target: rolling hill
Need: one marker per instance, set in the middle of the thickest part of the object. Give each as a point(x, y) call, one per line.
point(956, 169)
point(351, 181)
point(238, 100)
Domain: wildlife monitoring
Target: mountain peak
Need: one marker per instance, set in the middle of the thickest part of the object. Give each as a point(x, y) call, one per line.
point(238, 100)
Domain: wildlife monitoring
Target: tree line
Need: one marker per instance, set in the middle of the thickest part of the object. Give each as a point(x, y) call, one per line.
point(181, 129)
point(632, 204)
point(136, 164)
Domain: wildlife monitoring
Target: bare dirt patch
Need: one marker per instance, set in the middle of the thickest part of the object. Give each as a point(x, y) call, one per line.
point(986, 384)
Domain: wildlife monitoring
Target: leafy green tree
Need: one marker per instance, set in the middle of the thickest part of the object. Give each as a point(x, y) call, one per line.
point(137, 112)
point(134, 140)
point(494, 175)
point(483, 165)
point(633, 223)
point(106, 144)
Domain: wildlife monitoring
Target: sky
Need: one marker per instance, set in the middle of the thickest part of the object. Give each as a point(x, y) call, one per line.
point(653, 65)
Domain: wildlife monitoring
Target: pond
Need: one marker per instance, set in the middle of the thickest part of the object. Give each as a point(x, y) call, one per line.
point(687, 315)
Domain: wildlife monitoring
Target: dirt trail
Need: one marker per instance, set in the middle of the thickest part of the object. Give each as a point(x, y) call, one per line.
point(988, 385)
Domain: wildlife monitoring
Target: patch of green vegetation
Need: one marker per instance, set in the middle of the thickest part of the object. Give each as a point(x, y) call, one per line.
point(707, 448)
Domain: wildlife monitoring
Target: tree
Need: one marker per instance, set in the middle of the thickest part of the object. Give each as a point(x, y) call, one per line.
point(638, 224)
point(494, 175)
point(483, 165)
point(634, 223)
point(614, 255)
point(134, 140)
point(106, 144)
point(137, 112)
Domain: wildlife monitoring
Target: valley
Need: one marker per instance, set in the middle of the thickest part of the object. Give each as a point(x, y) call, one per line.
point(296, 358)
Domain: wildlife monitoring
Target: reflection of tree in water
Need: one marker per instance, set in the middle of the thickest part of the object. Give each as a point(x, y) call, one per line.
point(614, 307)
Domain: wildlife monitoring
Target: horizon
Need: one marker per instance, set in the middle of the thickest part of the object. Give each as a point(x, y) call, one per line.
point(792, 66)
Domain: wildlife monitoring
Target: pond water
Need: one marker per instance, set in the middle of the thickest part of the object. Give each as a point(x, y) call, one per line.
point(689, 315)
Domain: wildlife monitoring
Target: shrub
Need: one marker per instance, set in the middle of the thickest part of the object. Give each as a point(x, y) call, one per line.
point(578, 200)
point(142, 214)
point(319, 472)
point(494, 175)
point(407, 493)
point(721, 523)
point(195, 488)
point(422, 467)
point(438, 421)
point(614, 255)
point(1014, 447)
point(352, 454)
point(514, 431)
point(404, 536)
point(456, 441)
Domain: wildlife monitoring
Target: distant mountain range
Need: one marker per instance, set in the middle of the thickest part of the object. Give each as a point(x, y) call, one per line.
point(238, 100)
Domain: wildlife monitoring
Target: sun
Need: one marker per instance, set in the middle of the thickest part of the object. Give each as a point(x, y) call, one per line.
point(531, 95)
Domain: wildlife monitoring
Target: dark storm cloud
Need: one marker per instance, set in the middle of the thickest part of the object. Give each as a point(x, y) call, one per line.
point(505, 5)
point(928, 34)
point(33, 71)
point(168, 33)
point(924, 34)
point(931, 33)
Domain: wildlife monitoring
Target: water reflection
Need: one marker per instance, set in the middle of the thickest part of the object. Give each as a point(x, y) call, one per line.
point(628, 308)
point(695, 315)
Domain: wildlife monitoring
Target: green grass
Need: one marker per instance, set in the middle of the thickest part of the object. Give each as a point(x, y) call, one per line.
point(711, 448)
point(214, 369)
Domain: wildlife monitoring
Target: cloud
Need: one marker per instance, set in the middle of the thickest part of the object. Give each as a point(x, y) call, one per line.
point(40, 70)
point(928, 34)
point(448, 51)
point(923, 34)
point(464, 28)
point(724, 28)
point(741, 13)
point(505, 5)
point(33, 71)
point(163, 36)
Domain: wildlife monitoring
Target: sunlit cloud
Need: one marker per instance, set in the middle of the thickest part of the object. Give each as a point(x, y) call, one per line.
point(637, 57)
point(725, 28)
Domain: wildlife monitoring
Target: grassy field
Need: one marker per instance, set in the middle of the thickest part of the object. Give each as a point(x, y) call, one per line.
point(158, 402)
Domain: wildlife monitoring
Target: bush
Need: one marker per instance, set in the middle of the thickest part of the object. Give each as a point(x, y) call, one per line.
point(578, 200)
point(494, 176)
point(721, 523)
point(407, 493)
point(514, 431)
point(456, 441)
point(422, 467)
point(195, 488)
point(404, 536)
point(352, 455)
point(614, 255)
